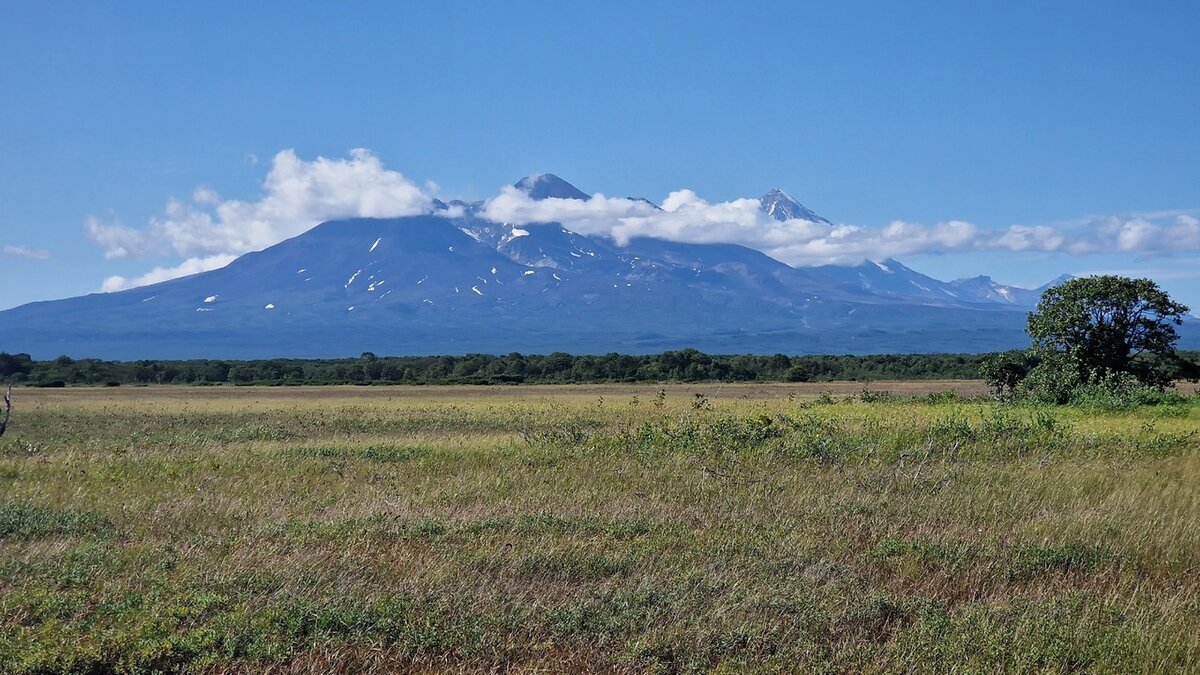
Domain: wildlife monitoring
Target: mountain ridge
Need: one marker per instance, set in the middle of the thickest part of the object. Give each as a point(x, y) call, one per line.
point(780, 206)
point(441, 283)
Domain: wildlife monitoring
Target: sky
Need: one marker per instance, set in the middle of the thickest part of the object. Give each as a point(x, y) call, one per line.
point(142, 140)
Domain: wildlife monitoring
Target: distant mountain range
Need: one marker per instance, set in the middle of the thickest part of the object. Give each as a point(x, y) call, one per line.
point(434, 284)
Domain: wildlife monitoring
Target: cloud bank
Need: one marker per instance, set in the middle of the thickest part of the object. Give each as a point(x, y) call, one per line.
point(208, 232)
point(685, 217)
point(297, 195)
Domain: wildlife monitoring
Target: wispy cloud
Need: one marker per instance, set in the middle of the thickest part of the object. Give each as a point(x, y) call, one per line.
point(297, 195)
point(598, 215)
point(186, 268)
point(22, 251)
point(1143, 233)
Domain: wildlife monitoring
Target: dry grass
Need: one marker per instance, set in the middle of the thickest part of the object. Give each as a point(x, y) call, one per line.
point(607, 528)
point(231, 395)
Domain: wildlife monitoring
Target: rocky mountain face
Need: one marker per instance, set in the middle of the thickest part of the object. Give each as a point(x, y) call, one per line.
point(780, 206)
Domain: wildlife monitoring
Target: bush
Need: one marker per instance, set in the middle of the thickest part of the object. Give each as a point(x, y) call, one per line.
point(1054, 380)
point(1122, 393)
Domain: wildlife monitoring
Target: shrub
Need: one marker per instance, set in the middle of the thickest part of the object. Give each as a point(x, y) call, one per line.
point(1054, 380)
point(1004, 372)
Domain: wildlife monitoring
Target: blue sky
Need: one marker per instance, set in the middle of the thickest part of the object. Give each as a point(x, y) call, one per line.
point(1069, 116)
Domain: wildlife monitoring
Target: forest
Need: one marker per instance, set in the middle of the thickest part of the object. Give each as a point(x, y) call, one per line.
point(687, 365)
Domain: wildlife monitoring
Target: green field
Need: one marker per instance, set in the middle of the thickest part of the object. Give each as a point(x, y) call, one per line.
point(595, 528)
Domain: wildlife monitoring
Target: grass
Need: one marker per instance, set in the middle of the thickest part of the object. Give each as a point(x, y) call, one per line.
point(756, 527)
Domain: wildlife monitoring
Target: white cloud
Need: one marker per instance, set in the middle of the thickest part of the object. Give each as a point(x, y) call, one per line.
point(598, 215)
point(1019, 238)
point(297, 195)
point(1142, 233)
point(685, 217)
point(187, 267)
point(22, 251)
point(205, 197)
point(453, 211)
point(851, 243)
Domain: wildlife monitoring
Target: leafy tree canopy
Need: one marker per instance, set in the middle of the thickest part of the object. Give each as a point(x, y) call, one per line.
point(1109, 326)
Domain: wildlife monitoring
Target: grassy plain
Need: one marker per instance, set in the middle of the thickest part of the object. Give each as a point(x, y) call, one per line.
point(595, 528)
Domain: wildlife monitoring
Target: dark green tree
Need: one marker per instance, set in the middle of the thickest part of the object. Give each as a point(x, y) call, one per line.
point(1107, 327)
point(14, 364)
point(1004, 372)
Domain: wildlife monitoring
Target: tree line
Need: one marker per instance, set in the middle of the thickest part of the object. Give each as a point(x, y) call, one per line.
point(687, 365)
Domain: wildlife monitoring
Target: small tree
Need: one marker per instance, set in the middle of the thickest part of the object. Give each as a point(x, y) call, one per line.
point(1106, 328)
point(1003, 372)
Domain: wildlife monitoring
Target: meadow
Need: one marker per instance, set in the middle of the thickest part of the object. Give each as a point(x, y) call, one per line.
point(605, 528)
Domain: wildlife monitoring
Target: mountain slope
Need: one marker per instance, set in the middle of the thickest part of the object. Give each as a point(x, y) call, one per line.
point(438, 284)
point(780, 206)
point(983, 289)
point(549, 186)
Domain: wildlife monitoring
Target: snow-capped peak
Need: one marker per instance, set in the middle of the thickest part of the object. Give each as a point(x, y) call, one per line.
point(780, 206)
point(548, 186)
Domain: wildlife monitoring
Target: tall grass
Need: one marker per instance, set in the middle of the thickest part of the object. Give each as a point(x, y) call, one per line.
point(557, 531)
